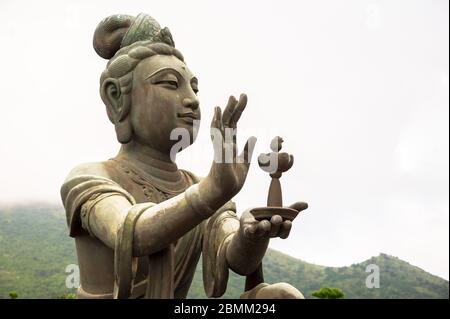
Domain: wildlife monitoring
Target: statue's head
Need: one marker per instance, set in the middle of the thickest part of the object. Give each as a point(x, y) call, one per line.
point(147, 88)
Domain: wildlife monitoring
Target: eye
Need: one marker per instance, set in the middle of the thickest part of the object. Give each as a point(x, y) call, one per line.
point(194, 87)
point(171, 84)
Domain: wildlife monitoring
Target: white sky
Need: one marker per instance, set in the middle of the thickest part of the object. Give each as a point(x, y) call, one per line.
point(358, 89)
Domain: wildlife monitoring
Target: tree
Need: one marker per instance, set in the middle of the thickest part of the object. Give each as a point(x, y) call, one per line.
point(13, 295)
point(329, 293)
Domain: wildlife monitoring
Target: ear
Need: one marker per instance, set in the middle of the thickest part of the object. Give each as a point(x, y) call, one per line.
point(112, 97)
point(117, 106)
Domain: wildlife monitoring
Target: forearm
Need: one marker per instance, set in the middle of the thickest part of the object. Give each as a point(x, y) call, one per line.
point(159, 225)
point(166, 222)
point(244, 254)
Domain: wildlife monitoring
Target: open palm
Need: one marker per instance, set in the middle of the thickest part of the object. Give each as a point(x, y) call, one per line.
point(229, 170)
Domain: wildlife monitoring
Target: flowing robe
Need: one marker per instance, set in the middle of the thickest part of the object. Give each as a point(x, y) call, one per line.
point(88, 184)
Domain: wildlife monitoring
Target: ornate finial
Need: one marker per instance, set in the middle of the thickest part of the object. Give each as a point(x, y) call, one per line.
point(276, 143)
point(275, 163)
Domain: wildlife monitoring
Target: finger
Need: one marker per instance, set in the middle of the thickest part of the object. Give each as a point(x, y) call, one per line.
point(299, 206)
point(216, 135)
point(248, 218)
point(249, 224)
point(250, 230)
point(214, 121)
point(262, 229)
point(275, 222)
point(285, 229)
point(217, 119)
point(247, 153)
point(219, 124)
point(229, 109)
point(239, 108)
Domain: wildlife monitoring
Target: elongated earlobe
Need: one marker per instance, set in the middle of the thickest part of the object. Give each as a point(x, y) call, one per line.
point(124, 131)
point(118, 107)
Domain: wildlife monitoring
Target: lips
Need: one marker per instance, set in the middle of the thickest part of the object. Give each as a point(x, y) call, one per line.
point(188, 117)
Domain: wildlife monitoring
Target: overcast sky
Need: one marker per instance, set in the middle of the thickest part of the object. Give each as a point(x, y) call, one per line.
point(358, 89)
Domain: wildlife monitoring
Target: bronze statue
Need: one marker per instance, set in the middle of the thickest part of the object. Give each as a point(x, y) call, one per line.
point(139, 222)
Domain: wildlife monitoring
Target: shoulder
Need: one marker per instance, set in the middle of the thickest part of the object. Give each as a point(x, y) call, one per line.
point(83, 183)
point(86, 175)
point(91, 168)
point(106, 169)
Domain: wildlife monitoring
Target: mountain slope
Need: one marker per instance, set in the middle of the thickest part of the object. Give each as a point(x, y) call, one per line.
point(35, 250)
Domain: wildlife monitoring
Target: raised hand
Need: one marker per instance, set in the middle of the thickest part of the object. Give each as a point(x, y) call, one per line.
point(229, 170)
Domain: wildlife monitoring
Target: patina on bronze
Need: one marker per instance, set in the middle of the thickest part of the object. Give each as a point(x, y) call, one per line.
point(282, 162)
point(139, 222)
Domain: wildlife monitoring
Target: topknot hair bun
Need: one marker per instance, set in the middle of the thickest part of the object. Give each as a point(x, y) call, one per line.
point(109, 34)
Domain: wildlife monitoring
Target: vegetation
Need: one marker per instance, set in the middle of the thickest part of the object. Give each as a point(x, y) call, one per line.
point(13, 295)
point(68, 296)
point(329, 293)
point(35, 250)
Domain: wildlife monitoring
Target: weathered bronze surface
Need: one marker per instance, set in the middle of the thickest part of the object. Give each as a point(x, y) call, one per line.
point(139, 222)
point(281, 162)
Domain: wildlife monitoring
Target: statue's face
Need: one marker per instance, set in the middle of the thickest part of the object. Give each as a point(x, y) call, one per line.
point(163, 99)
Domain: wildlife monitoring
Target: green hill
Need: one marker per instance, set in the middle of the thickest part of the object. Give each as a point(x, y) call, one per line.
point(35, 250)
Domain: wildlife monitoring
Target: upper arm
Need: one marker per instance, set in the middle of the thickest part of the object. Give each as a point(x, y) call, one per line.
point(94, 202)
point(102, 218)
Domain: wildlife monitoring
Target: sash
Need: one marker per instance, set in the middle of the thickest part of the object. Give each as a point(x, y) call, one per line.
point(160, 279)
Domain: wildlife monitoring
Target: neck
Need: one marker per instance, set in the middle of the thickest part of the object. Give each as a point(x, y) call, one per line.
point(152, 161)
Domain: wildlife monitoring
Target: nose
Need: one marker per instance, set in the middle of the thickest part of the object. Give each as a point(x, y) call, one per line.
point(191, 103)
